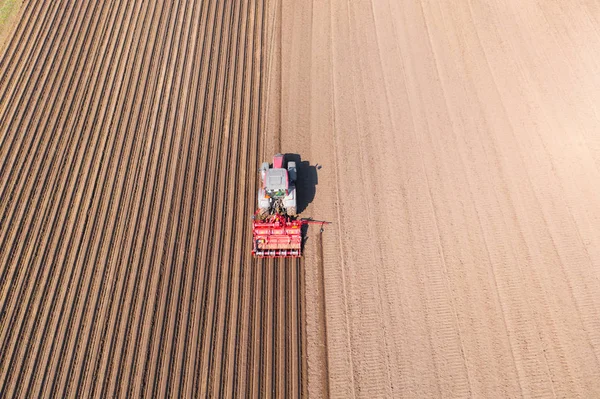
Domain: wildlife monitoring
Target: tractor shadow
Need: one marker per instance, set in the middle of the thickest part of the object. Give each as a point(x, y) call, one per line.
point(306, 181)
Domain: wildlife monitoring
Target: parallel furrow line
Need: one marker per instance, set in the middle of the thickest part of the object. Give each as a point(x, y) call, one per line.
point(106, 86)
point(46, 280)
point(27, 276)
point(58, 362)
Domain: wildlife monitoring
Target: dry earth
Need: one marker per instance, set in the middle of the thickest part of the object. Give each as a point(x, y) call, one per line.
point(460, 152)
point(9, 15)
point(459, 163)
point(129, 146)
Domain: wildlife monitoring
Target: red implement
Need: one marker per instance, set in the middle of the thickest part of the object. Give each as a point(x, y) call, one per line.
point(278, 236)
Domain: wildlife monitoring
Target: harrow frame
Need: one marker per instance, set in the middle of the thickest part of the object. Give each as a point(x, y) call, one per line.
point(278, 236)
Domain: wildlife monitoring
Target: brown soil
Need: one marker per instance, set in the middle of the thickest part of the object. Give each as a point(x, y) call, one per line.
point(129, 146)
point(459, 158)
point(460, 166)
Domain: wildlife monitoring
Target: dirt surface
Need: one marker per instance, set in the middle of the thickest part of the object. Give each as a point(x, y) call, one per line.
point(454, 146)
point(460, 153)
point(130, 139)
point(9, 15)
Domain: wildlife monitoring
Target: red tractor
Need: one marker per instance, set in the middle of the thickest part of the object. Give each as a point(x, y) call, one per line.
point(276, 230)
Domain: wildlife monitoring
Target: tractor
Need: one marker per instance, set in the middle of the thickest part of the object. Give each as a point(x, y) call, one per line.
point(276, 229)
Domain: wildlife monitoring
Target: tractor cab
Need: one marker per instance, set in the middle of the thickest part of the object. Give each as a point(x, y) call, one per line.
point(278, 192)
point(276, 183)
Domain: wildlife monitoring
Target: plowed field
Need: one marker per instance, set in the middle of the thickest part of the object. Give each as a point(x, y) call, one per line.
point(129, 145)
point(460, 151)
point(455, 146)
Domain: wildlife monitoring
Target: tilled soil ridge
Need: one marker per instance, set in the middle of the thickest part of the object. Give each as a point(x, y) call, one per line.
point(129, 140)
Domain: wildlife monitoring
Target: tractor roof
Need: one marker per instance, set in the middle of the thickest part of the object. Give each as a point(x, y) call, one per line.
point(276, 179)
